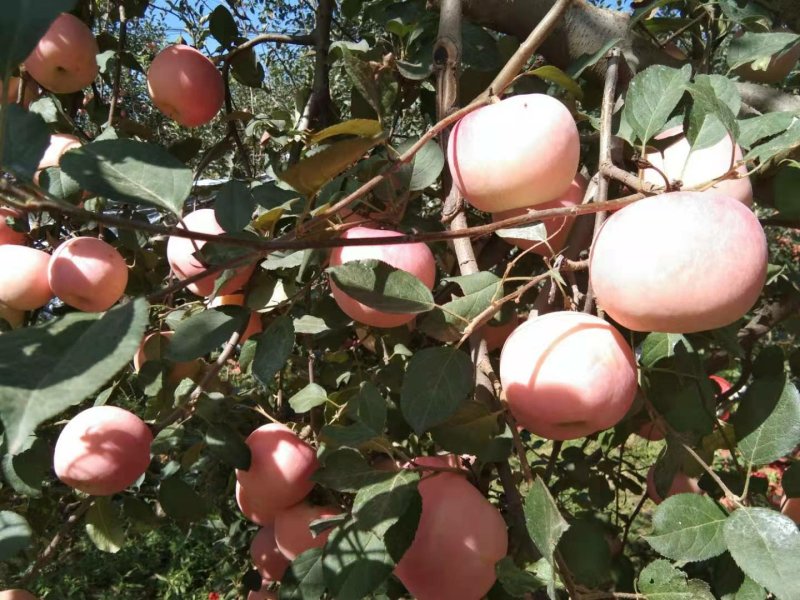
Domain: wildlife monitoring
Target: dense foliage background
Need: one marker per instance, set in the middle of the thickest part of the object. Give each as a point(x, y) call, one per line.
point(358, 393)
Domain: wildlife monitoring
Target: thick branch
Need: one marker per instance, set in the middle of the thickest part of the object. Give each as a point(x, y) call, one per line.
point(318, 112)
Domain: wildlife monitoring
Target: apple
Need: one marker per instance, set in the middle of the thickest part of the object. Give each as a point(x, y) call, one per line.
point(567, 375)
point(9, 235)
point(15, 318)
point(280, 469)
point(681, 484)
point(556, 229)
point(292, 534)
point(679, 163)
point(88, 274)
point(30, 92)
point(23, 277)
point(679, 263)
point(266, 557)
point(650, 431)
point(460, 537)
point(723, 384)
point(17, 595)
point(778, 69)
point(496, 335)
point(154, 347)
point(262, 595)
point(791, 508)
point(184, 265)
point(102, 450)
point(65, 59)
point(520, 152)
point(254, 506)
point(254, 325)
point(415, 258)
point(185, 85)
point(60, 144)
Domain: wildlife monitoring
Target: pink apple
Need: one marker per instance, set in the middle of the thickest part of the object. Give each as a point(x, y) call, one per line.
point(88, 274)
point(292, 534)
point(254, 325)
point(23, 277)
point(8, 235)
point(681, 484)
point(266, 556)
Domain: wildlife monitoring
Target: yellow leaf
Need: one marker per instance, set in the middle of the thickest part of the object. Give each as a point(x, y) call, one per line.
point(359, 127)
point(557, 76)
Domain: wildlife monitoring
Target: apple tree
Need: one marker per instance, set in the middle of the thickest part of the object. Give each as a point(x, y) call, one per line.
point(454, 299)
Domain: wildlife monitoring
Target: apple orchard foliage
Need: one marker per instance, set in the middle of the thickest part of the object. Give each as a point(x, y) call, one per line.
point(260, 396)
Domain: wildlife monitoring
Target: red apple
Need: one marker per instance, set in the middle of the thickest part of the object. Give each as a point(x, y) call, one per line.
point(23, 277)
point(556, 229)
point(65, 59)
point(254, 506)
point(185, 85)
point(154, 347)
point(60, 143)
point(460, 537)
point(791, 508)
point(520, 152)
point(292, 534)
point(254, 325)
point(7, 234)
point(184, 265)
point(679, 163)
point(650, 431)
point(681, 484)
point(102, 450)
point(262, 595)
point(415, 258)
point(266, 556)
point(679, 263)
point(567, 375)
point(30, 92)
point(88, 274)
point(496, 335)
point(17, 595)
point(280, 469)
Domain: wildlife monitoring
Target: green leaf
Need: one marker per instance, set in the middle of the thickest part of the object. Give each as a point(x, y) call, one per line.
point(180, 501)
point(750, 47)
point(234, 206)
point(223, 26)
point(447, 324)
point(427, 166)
point(750, 590)
point(710, 117)
point(586, 552)
point(309, 397)
point(688, 528)
point(22, 25)
point(661, 581)
point(553, 74)
point(204, 332)
point(25, 140)
point(515, 581)
point(246, 69)
point(382, 503)
point(368, 409)
point(757, 128)
point(380, 286)
point(783, 143)
point(657, 346)
point(104, 527)
point(362, 77)
point(311, 173)
point(130, 171)
point(545, 524)
point(355, 562)
point(652, 96)
point(767, 421)
point(471, 430)
point(15, 534)
point(26, 471)
point(48, 368)
point(437, 382)
point(787, 182)
point(225, 443)
point(57, 183)
point(346, 470)
point(273, 348)
point(766, 546)
point(304, 579)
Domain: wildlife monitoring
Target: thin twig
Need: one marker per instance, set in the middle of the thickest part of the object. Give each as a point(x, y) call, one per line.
point(123, 37)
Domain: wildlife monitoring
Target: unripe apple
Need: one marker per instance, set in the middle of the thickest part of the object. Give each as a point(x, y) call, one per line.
point(185, 85)
point(65, 59)
point(154, 347)
point(557, 229)
point(8, 235)
point(184, 265)
point(15, 318)
point(415, 258)
point(791, 508)
point(102, 450)
point(679, 163)
point(681, 484)
point(17, 595)
point(496, 335)
point(460, 537)
point(567, 375)
point(778, 69)
point(266, 557)
point(23, 277)
point(254, 325)
point(88, 274)
point(292, 534)
point(280, 468)
point(679, 263)
point(520, 152)
point(30, 92)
